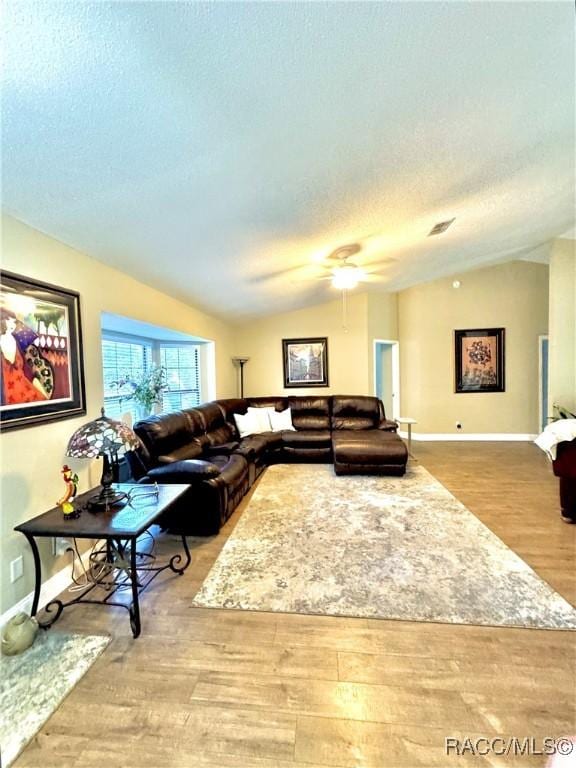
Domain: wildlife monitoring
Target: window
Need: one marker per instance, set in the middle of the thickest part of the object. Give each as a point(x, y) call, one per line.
point(122, 360)
point(126, 358)
point(182, 363)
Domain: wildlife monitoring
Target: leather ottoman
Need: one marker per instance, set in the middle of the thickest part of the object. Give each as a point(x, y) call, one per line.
point(372, 452)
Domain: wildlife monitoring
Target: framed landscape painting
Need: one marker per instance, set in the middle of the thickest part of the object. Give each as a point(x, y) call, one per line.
point(479, 360)
point(42, 375)
point(305, 362)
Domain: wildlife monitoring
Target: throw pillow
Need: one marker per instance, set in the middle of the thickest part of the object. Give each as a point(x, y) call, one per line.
point(261, 417)
point(282, 421)
point(246, 425)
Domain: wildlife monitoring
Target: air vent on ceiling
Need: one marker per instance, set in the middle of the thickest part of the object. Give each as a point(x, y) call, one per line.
point(442, 226)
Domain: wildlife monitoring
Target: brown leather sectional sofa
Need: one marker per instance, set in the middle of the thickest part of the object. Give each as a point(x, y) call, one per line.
point(202, 447)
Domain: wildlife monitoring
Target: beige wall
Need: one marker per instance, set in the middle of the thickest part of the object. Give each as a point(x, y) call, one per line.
point(31, 458)
point(513, 296)
point(261, 340)
point(382, 324)
point(562, 349)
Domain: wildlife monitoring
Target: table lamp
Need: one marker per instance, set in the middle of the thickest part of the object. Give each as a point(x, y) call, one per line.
point(107, 438)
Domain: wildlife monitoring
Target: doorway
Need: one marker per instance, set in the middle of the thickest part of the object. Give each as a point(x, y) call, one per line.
point(542, 381)
point(387, 375)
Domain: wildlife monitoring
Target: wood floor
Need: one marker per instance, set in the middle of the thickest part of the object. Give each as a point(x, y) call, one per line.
point(216, 688)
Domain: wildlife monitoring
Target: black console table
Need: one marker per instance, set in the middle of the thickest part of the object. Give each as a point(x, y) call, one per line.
point(120, 529)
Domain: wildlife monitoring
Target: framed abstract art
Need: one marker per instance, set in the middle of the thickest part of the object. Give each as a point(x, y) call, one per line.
point(479, 360)
point(42, 373)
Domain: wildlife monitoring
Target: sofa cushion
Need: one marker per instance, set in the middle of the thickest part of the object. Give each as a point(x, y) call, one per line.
point(184, 472)
point(307, 438)
point(355, 412)
point(164, 434)
point(229, 407)
point(232, 469)
point(369, 448)
point(255, 446)
point(310, 412)
point(224, 449)
point(213, 425)
point(278, 403)
point(191, 451)
point(220, 436)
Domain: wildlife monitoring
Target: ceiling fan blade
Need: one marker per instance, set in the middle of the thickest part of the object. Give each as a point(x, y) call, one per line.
point(384, 261)
point(373, 277)
point(309, 278)
point(274, 274)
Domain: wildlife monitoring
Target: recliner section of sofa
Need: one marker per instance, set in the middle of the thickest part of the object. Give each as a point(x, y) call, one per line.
point(201, 447)
point(363, 440)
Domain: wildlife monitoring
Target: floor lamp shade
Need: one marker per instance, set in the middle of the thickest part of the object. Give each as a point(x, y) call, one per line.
point(241, 362)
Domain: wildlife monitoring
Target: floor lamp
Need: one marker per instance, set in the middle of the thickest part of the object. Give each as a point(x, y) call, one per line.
point(241, 361)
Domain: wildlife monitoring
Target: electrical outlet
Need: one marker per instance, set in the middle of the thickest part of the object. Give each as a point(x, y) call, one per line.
point(60, 545)
point(16, 569)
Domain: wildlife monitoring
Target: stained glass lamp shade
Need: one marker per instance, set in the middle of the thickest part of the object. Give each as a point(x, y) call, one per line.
point(107, 438)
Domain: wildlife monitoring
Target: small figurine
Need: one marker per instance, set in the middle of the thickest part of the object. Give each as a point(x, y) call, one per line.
point(71, 480)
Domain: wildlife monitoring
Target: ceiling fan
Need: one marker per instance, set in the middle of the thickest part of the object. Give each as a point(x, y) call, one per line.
point(346, 274)
point(338, 267)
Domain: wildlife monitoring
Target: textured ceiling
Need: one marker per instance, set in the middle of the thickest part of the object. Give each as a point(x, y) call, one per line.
point(207, 147)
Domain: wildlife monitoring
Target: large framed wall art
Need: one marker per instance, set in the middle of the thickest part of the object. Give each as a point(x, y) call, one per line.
point(479, 360)
point(305, 362)
point(42, 373)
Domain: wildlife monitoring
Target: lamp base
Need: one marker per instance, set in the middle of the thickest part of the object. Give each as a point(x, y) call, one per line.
point(106, 499)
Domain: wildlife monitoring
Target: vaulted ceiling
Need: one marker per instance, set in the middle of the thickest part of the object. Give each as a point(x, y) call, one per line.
point(221, 151)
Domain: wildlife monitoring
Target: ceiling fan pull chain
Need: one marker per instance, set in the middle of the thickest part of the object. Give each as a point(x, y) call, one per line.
point(344, 311)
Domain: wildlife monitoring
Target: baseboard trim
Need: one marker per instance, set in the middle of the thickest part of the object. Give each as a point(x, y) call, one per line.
point(480, 436)
point(50, 589)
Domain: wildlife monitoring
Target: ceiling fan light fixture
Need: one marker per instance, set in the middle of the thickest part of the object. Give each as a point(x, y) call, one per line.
point(347, 277)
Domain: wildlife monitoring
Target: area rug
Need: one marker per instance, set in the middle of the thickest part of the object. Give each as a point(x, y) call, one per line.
point(380, 547)
point(34, 683)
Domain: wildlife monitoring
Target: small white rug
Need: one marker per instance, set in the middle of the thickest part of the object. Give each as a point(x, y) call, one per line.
point(380, 547)
point(34, 684)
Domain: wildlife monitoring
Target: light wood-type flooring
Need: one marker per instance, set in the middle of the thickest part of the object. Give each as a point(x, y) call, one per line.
point(243, 689)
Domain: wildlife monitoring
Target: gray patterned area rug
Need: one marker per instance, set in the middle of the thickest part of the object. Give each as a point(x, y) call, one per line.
point(380, 547)
point(34, 684)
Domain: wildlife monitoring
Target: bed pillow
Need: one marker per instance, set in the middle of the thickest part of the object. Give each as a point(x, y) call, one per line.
point(281, 421)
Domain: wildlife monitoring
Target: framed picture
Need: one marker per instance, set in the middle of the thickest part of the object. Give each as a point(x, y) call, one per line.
point(479, 360)
point(42, 375)
point(305, 362)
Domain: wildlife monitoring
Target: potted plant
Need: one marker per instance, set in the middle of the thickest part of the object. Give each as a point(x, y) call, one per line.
point(146, 389)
